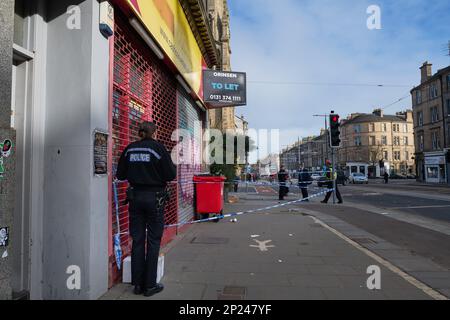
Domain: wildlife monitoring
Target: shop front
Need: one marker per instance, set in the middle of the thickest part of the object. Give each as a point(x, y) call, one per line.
point(156, 75)
point(435, 168)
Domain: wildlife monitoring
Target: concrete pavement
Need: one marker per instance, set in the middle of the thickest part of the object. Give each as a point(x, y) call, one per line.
point(277, 254)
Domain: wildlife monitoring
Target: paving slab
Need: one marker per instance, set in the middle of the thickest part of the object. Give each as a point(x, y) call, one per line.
point(280, 256)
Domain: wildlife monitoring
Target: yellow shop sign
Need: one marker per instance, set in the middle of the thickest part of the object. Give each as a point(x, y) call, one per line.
point(167, 23)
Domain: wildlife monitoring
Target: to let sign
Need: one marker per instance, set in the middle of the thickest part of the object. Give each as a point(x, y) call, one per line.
point(224, 89)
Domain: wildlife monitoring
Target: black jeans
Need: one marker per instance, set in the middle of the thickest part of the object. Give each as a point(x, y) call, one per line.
point(146, 222)
point(283, 192)
point(304, 190)
point(329, 194)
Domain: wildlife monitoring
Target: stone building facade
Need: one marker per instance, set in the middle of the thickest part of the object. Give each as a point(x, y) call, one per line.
point(431, 106)
point(376, 143)
point(219, 16)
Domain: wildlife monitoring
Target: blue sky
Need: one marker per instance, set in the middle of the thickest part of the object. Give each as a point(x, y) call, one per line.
point(327, 41)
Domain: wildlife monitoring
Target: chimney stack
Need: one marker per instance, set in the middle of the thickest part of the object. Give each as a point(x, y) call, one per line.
point(426, 71)
point(379, 113)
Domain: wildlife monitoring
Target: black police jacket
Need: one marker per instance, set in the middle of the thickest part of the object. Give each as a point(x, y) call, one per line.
point(147, 164)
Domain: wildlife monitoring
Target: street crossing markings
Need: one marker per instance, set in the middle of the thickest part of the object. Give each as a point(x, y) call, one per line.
point(418, 284)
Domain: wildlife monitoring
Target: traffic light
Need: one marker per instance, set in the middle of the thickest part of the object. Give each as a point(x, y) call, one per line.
point(335, 134)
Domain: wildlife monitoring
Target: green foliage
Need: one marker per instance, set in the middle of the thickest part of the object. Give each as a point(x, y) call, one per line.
point(229, 170)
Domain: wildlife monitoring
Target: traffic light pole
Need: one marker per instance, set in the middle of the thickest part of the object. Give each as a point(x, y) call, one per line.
point(333, 175)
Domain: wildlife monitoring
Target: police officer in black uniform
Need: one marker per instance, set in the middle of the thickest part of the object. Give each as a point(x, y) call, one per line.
point(148, 167)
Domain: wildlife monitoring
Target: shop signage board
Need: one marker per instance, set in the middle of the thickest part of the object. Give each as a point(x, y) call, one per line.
point(166, 21)
point(224, 88)
point(434, 161)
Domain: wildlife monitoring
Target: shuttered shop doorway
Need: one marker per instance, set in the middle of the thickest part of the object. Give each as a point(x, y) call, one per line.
point(143, 89)
point(191, 120)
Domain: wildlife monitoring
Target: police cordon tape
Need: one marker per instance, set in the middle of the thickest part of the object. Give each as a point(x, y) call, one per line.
point(244, 184)
point(231, 215)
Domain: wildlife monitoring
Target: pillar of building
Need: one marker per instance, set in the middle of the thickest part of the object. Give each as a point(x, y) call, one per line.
point(7, 162)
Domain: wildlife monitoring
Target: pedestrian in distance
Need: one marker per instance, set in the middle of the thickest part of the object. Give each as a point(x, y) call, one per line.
point(331, 177)
point(304, 181)
point(386, 178)
point(283, 177)
point(236, 183)
point(148, 167)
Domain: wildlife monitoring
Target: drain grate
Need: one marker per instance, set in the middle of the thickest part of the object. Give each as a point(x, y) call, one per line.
point(209, 240)
point(232, 293)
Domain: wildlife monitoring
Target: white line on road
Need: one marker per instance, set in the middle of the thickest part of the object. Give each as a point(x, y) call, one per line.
point(420, 285)
point(422, 207)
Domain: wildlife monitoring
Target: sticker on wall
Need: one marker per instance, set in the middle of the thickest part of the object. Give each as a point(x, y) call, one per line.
point(100, 153)
point(5, 152)
point(4, 236)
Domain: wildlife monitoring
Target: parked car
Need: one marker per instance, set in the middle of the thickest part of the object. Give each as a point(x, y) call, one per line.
point(341, 179)
point(322, 182)
point(396, 176)
point(411, 176)
point(358, 178)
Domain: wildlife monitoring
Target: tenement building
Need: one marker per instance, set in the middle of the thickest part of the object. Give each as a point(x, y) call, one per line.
point(377, 143)
point(431, 105)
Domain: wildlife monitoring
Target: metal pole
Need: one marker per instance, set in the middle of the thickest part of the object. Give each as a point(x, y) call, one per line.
point(327, 137)
point(332, 176)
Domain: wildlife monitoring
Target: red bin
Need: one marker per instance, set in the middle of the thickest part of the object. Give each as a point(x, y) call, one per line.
point(209, 194)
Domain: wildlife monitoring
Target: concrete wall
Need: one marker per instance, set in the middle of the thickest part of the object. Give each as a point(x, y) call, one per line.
point(75, 223)
point(7, 182)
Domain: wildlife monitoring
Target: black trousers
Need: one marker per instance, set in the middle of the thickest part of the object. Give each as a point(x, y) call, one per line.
point(284, 191)
point(304, 190)
point(146, 223)
point(329, 194)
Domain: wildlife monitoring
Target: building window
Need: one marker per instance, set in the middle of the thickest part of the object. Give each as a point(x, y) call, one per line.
point(372, 141)
point(405, 128)
point(396, 141)
point(432, 172)
point(384, 140)
point(418, 97)
point(357, 128)
point(407, 156)
point(397, 156)
point(384, 126)
point(372, 127)
point(358, 141)
point(396, 128)
point(433, 91)
point(434, 115)
point(405, 141)
point(386, 155)
point(420, 119)
point(435, 140)
point(421, 142)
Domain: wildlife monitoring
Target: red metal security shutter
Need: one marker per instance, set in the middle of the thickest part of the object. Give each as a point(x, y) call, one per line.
point(143, 89)
point(190, 120)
